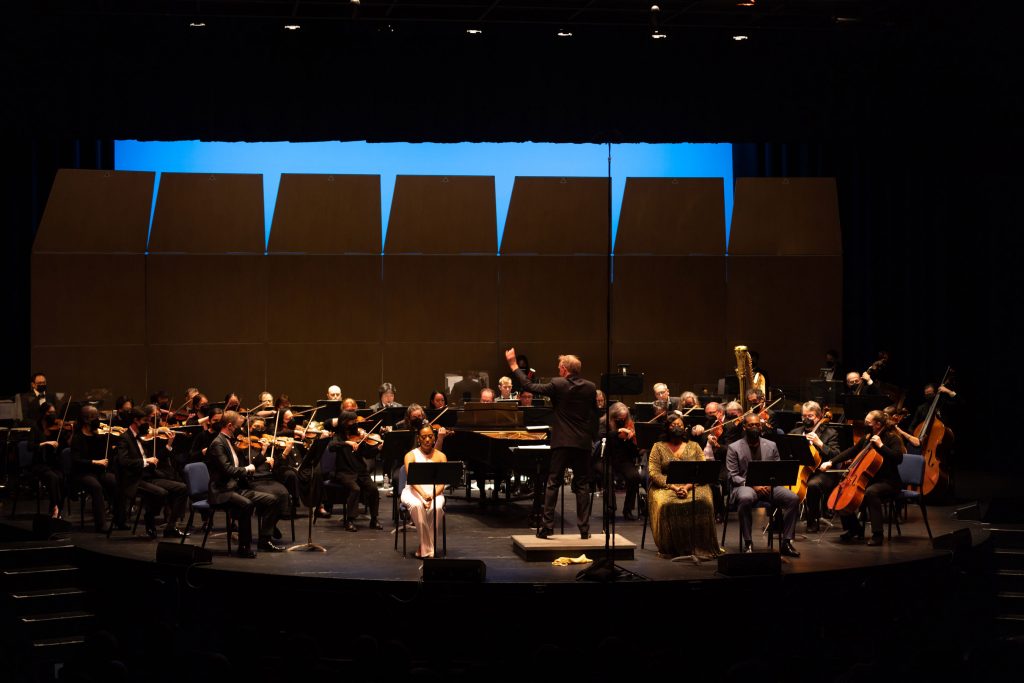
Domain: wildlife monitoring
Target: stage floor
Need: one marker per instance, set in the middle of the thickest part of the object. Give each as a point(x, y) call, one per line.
point(369, 555)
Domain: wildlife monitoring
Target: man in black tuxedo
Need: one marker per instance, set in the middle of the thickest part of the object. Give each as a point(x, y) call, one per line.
point(573, 430)
point(228, 484)
point(139, 469)
point(33, 398)
point(739, 456)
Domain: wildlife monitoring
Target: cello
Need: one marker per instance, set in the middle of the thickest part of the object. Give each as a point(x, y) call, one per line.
point(935, 438)
point(849, 494)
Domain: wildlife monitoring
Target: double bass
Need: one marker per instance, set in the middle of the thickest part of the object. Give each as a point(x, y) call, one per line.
point(935, 438)
point(858, 425)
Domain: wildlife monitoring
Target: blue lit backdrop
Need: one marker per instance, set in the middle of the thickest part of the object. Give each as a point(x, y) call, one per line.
point(503, 160)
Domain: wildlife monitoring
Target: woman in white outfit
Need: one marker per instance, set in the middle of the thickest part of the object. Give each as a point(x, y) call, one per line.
point(424, 502)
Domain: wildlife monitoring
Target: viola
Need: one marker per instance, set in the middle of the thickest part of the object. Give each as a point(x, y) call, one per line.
point(803, 475)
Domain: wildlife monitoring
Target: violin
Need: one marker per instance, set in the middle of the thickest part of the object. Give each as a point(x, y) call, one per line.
point(162, 432)
point(113, 430)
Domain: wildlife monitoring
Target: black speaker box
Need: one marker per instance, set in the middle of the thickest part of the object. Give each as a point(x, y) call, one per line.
point(45, 527)
point(454, 571)
point(957, 541)
point(176, 553)
point(750, 564)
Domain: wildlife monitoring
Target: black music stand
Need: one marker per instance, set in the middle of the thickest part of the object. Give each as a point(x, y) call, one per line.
point(827, 391)
point(772, 473)
point(328, 410)
point(647, 434)
point(698, 473)
point(311, 460)
point(434, 474)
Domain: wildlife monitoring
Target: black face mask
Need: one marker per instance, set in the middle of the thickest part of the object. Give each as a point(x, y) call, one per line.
point(94, 424)
point(258, 431)
point(41, 388)
point(830, 364)
point(808, 425)
point(752, 435)
point(143, 429)
point(50, 419)
point(677, 431)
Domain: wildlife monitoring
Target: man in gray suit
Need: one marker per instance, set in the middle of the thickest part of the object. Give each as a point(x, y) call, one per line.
point(739, 456)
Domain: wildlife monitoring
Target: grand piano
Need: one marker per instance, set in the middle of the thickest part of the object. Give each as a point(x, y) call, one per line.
point(495, 439)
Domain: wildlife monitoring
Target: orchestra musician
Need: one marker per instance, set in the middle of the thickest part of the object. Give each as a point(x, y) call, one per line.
point(421, 500)
point(572, 436)
point(352, 474)
point(32, 400)
point(123, 406)
point(621, 452)
point(437, 400)
point(825, 440)
point(854, 380)
point(672, 505)
point(505, 388)
point(661, 394)
point(268, 458)
point(229, 484)
point(91, 467)
point(385, 397)
point(722, 429)
point(947, 399)
point(526, 398)
point(334, 393)
point(210, 423)
point(487, 395)
point(738, 457)
point(601, 400)
point(138, 463)
point(884, 484)
point(688, 400)
point(47, 439)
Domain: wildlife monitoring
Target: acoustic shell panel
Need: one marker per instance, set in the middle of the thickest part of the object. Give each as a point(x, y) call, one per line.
point(557, 216)
point(417, 368)
point(215, 369)
point(554, 297)
point(672, 216)
point(100, 372)
point(442, 215)
point(96, 212)
point(209, 213)
point(305, 370)
point(785, 217)
point(326, 214)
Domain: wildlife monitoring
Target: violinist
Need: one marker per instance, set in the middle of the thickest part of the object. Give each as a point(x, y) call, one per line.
point(334, 393)
point(232, 402)
point(826, 441)
point(756, 401)
point(661, 394)
point(741, 453)
point(688, 400)
point(303, 483)
point(351, 472)
point(162, 400)
point(229, 485)
point(47, 439)
point(438, 401)
point(32, 400)
point(123, 417)
point(138, 460)
point(261, 450)
point(884, 484)
point(90, 466)
point(211, 427)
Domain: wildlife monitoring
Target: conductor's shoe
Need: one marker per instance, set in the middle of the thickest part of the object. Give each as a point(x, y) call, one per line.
point(584, 535)
point(788, 550)
point(374, 524)
point(268, 546)
point(246, 553)
point(544, 532)
point(748, 547)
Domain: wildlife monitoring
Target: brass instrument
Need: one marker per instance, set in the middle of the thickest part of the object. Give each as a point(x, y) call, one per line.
point(744, 373)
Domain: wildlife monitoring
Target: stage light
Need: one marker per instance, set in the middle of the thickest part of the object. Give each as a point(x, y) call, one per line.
point(292, 27)
point(739, 38)
point(749, 3)
point(565, 34)
point(354, 2)
point(656, 32)
point(658, 35)
point(197, 24)
point(474, 31)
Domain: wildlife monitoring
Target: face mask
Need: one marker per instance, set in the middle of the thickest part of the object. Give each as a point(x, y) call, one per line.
point(751, 434)
point(41, 388)
point(808, 424)
point(258, 430)
point(677, 431)
point(94, 424)
point(143, 429)
point(50, 419)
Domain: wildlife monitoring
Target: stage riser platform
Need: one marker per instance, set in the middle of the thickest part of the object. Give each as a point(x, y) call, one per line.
point(533, 549)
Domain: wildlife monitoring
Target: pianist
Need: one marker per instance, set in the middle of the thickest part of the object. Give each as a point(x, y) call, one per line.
point(572, 436)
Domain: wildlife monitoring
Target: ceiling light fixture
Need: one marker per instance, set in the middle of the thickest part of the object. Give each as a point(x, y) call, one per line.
point(474, 31)
point(197, 24)
point(656, 32)
point(739, 38)
point(292, 27)
point(564, 34)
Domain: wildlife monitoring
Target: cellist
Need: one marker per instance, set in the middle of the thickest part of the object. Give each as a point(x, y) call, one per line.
point(826, 441)
point(884, 484)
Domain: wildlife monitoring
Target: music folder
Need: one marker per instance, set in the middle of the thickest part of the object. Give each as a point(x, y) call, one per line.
point(796, 447)
point(772, 472)
point(693, 472)
point(436, 473)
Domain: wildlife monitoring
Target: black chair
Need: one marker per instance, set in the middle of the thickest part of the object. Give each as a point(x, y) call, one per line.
point(732, 507)
point(404, 518)
point(197, 479)
point(25, 473)
point(643, 512)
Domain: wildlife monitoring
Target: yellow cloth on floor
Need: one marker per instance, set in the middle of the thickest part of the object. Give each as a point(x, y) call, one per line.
point(566, 561)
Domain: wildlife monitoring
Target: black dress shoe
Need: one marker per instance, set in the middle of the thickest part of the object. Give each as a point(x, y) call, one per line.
point(584, 535)
point(850, 537)
point(813, 527)
point(748, 547)
point(276, 533)
point(788, 550)
point(269, 547)
point(349, 526)
point(544, 532)
point(876, 539)
point(374, 524)
point(629, 516)
point(121, 526)
point(151, 531)
point(323, 515)
point(173, 532)
point(246, 554)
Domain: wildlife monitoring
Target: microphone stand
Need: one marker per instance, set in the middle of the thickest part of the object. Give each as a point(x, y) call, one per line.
point(309, 546)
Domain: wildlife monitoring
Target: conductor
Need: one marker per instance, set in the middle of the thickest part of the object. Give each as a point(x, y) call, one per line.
point(573, 430)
